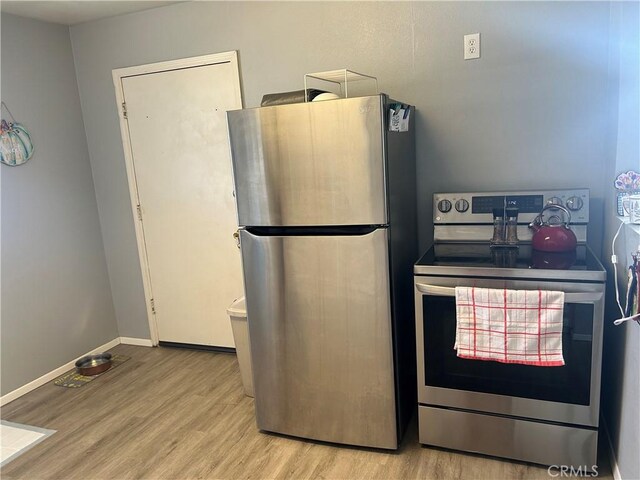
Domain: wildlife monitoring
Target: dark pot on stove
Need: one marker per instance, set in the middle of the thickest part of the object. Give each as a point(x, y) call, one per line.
point(553, 237)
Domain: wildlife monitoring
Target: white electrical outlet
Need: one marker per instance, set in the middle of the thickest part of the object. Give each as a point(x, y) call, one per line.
point(471, 46)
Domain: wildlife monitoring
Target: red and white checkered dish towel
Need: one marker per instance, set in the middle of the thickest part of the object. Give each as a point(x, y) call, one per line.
point(510, 326)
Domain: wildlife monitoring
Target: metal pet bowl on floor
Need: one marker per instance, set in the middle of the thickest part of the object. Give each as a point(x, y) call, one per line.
point(94, 364)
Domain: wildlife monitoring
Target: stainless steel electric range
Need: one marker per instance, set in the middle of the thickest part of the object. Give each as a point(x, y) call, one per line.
point(546, 415)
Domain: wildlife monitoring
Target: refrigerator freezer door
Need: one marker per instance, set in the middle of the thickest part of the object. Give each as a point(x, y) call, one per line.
point(310, 164)
point(320, 331)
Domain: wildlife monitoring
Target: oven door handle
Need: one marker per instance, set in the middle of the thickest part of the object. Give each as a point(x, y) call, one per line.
point(436, 290)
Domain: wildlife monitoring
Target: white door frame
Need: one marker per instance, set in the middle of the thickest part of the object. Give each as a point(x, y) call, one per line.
point(118, 75)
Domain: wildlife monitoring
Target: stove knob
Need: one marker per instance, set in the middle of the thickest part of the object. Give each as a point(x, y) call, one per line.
point(444, 206)
point(554, 201)
point(462, 205)
point(574, 204)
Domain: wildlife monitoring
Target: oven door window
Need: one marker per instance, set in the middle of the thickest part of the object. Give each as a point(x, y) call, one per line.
point(567, 384)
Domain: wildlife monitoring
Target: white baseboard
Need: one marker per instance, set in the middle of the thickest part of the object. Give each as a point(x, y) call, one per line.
point(38, 382)
point(612, 453)
point(141, 342)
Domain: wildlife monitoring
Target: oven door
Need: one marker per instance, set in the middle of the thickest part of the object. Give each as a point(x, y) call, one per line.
point(568, 394)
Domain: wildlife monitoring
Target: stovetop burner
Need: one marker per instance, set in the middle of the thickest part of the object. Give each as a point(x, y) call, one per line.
point(480, 259)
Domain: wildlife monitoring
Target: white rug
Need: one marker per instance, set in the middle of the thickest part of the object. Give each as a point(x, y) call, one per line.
point(15, 439)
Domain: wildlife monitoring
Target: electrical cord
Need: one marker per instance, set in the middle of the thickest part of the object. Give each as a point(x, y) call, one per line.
point(614, 261)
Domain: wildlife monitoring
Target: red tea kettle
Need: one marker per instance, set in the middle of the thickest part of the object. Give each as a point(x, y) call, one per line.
point(553, 237)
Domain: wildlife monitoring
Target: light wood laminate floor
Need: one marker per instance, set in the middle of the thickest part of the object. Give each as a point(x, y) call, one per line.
point(181, 414)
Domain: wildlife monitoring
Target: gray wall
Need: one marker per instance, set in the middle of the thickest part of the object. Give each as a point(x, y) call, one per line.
point(531, 113)
point(621, 378)
point(56, 301)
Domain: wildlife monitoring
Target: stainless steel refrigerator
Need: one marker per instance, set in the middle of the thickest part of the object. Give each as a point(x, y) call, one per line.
point(327, 208)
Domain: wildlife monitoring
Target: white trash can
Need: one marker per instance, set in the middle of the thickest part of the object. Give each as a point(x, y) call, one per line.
point(238, 315)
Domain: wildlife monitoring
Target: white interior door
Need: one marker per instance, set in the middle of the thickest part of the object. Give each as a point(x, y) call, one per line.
point(179, 151)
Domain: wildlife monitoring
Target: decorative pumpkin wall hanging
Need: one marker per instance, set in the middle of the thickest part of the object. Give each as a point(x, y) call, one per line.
point(15, 142)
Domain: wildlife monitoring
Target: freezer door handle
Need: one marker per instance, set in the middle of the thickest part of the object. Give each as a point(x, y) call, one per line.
point(325, 230)
point(451, 292)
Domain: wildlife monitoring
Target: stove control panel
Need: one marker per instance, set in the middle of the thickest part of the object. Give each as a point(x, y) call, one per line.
point(477, 207)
